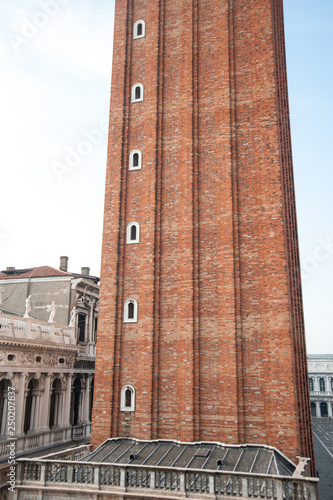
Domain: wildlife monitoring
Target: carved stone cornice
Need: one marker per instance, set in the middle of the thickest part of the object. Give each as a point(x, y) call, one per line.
point(28, 358)
point(7, 341)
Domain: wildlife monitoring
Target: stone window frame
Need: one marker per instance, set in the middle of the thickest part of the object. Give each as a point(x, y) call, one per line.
point(135, 29)
point(126, 315)
point(131, 159)
point(129, 241)
point(133, 94)
point(123, 406)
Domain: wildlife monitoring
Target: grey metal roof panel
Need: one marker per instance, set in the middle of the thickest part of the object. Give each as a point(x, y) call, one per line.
point(262, 462)
point(171, 455)
point(102, 451)
point(186, 456)
point(247, 459)
point(258, 459)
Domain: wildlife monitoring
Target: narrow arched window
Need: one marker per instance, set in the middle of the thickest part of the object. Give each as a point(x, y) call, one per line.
point(139, 29)
point(133, 233)
point(131, 311)
point(311, 384)
point(127, 398)
point(135, 159)
point(322, 384)
point(137, 92)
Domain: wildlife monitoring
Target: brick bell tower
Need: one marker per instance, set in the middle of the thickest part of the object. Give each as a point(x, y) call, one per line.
point(201, 333)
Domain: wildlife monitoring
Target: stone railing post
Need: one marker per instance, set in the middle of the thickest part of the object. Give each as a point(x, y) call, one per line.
point(70, 474)
point(122, 478)
point(279, 490)
point(313, 488)
point(152, 480)
point(182, 482)
point(245, 489)
point(43, 473)
point(19, 472)
point(211, 485)
point(97, 475)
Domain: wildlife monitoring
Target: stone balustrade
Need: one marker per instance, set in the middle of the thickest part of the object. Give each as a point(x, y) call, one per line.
point(31, 329)
point(39, 440)
point(147, 481)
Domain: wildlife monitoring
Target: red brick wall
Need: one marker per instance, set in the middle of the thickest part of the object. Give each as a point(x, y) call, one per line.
point(218, 350)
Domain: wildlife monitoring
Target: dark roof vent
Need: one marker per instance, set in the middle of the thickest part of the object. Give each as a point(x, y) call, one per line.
point(220, 463)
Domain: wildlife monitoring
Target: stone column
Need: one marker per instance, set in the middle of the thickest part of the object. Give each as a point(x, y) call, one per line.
point(316, 386)
point(44, 421)
point(35, 410)
point(20, 405)
point(4, 416)
point(67, 405)
point(86, 406)
point(318, 412)
point(327, 384)
point(329, 408)
point(86, 400)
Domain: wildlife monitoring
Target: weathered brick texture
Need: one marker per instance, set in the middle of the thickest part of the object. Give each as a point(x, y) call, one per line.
point(218, 352)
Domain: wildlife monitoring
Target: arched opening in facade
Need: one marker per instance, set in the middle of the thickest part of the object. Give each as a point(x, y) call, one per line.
point(76, 403)
point(313, 409)
point(32, 402)
point(323, 409)
point(55, 419)
point(322, 384)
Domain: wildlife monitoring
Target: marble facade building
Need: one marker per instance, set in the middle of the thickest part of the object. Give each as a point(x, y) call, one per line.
point(320, 368)
point(48, 322)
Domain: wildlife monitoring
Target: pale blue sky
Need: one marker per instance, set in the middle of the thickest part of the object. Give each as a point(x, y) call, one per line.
point(55, 81)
